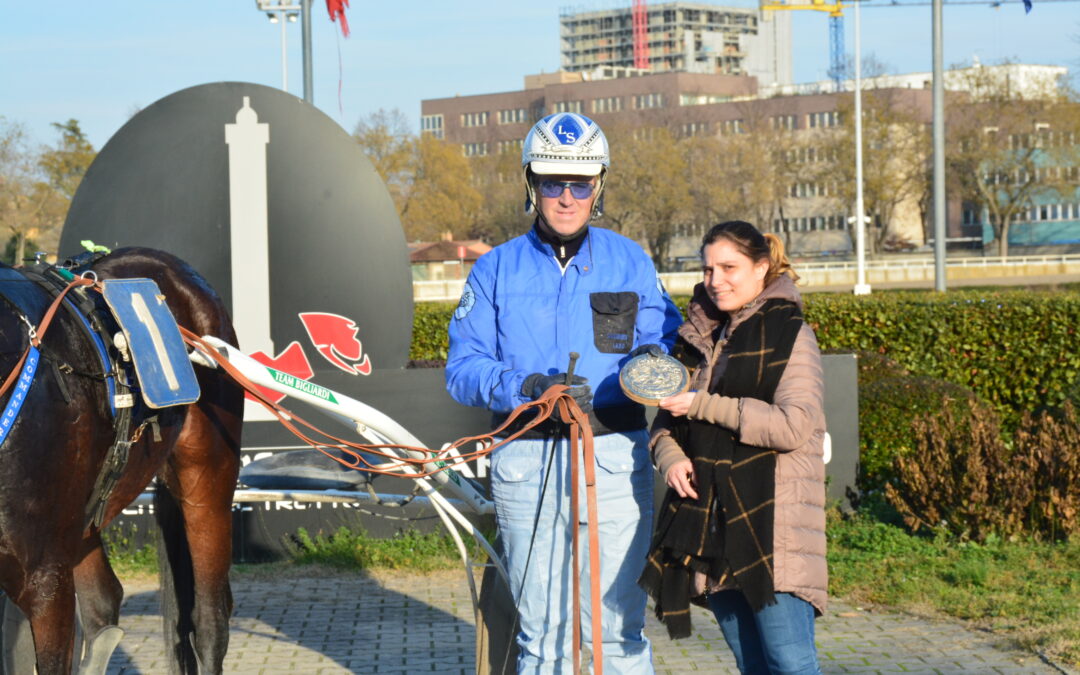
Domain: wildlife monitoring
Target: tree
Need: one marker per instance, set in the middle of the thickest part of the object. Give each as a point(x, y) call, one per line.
point(36, 187)
point(440, 196)
point(499, 179)
point(647, 195)
point(429, 180)
point(385, 138)
point(66, 163)
point(896, 152)
point(1010, 147)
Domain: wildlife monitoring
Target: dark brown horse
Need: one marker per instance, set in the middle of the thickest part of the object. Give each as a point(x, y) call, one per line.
point(54, 453)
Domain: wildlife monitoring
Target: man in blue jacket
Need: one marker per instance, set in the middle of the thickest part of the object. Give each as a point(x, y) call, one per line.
point(566, 287)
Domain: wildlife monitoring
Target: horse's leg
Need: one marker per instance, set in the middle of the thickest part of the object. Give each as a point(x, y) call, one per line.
point(99, 593)
point(48, 601)
point(174, 568)
point(202, 472)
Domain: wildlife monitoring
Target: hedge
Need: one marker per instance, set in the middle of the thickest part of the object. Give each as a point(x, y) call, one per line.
point(1016, 349)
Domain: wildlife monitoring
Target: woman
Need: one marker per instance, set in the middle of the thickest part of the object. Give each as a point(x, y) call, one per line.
point(743, 526)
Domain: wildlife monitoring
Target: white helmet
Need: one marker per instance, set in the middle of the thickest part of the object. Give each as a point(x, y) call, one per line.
point(565, 143)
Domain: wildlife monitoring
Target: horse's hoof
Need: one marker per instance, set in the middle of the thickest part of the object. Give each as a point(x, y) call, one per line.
point(99, 650)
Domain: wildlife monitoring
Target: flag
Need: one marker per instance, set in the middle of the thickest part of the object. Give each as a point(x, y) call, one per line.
point(337, 9)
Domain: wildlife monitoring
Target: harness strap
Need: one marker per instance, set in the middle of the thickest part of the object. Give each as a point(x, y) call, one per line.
point(38, 332)
point(26, 369)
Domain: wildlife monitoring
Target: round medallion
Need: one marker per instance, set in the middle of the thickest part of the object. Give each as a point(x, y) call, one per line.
point(647, 379)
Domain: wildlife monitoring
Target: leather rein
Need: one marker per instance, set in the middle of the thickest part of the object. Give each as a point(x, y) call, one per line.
point(555, 399)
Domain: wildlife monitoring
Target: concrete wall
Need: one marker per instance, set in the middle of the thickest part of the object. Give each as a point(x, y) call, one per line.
point(898, 273)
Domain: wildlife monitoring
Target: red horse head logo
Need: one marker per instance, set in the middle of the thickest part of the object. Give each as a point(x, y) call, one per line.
point(335, 338)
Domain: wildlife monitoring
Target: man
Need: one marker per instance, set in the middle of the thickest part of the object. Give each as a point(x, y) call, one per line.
point(566, 287)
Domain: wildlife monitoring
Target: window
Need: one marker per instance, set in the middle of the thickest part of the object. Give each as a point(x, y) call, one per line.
point(475, 149)
point(645, 101)
point(479, 119)
point(566, 106)
point(701, 99)
point(820, 120)
point(513, 116)
point(607, 105)
point(504, 147)
point(731, 127)
point(695, 129)
point(785, 122)
point(432, 124)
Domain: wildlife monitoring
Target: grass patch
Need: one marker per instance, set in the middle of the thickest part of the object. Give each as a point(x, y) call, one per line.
point(1027, 590)
point(348, 549)
point(128, 558)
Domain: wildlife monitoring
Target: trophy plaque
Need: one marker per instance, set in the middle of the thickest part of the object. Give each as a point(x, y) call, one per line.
point(647, 378)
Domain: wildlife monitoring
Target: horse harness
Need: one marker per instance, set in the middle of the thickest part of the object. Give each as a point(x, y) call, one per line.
point(114, 364)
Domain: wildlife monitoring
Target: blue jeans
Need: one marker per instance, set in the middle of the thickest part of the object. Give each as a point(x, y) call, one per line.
point(543, 588)
point(778, 640)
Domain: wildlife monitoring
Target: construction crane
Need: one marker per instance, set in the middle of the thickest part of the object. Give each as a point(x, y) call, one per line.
point(836, 21)
point(836, 31)
point(640, 21)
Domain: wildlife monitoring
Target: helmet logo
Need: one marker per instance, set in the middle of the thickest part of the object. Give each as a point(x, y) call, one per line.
point(568, 131)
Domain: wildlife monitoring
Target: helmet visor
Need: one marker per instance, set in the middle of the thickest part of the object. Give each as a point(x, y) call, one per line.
point(566, 168)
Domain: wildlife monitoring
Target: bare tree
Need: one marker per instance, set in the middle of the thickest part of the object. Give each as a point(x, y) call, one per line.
point(648, 196)
point(896, 151)
point(1011, 147)
point(499, 179)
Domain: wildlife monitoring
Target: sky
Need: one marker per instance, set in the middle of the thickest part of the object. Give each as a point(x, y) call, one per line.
point(101, 62)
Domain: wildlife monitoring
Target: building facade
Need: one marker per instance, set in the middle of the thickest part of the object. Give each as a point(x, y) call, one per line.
point(681, 36)
point(802, 126)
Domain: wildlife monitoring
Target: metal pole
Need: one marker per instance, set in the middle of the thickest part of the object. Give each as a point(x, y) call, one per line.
point(939, 152)
point(861, 287)
point(306, 20)
point(284, 54)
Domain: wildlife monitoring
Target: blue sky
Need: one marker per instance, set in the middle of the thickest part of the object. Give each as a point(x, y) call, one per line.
point(100, 62)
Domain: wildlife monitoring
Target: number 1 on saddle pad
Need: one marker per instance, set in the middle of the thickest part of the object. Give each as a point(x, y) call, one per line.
point(166, 377)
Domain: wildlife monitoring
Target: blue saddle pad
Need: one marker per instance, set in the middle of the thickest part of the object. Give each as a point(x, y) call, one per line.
point(166, 377)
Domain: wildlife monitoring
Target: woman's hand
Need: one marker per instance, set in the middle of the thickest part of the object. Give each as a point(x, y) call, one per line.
point(679, 404)
point(680, 477)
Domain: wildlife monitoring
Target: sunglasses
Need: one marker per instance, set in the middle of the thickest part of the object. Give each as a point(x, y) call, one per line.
point(554, 188)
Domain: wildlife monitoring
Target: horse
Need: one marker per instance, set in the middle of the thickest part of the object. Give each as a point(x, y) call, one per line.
point(53, 456)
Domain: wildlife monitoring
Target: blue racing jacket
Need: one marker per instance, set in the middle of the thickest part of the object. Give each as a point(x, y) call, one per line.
point(521, 314)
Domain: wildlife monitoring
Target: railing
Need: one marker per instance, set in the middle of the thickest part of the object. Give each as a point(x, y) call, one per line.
point(915, 272)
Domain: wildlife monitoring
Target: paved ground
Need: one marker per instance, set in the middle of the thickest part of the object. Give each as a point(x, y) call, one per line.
point(410, 623)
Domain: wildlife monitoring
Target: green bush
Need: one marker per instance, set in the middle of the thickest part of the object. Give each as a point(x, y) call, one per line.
point(874, 366)
point(1013, 348)
point(888, 408)
point(429, 337)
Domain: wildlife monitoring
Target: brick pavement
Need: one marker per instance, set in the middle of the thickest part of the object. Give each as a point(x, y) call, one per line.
point(423, 623)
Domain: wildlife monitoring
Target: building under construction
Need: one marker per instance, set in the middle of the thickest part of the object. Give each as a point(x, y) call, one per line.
point(679, 36)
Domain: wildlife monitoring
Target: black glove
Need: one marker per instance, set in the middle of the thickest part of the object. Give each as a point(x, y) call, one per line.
point(537, 383)
point(651, 350)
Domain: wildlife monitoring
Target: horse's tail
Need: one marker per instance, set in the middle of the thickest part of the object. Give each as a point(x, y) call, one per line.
point(177, 583)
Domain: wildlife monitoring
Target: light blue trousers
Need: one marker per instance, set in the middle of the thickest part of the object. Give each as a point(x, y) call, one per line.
point(540, 563)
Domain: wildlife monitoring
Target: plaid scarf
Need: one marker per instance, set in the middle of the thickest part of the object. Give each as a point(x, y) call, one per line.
point(728, 529)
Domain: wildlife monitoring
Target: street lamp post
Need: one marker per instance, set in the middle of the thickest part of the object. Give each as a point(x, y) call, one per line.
point(861, 287)
point(939, 149)
point(281, 11)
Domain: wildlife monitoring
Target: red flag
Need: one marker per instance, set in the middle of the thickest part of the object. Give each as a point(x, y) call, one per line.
point(337, 10)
